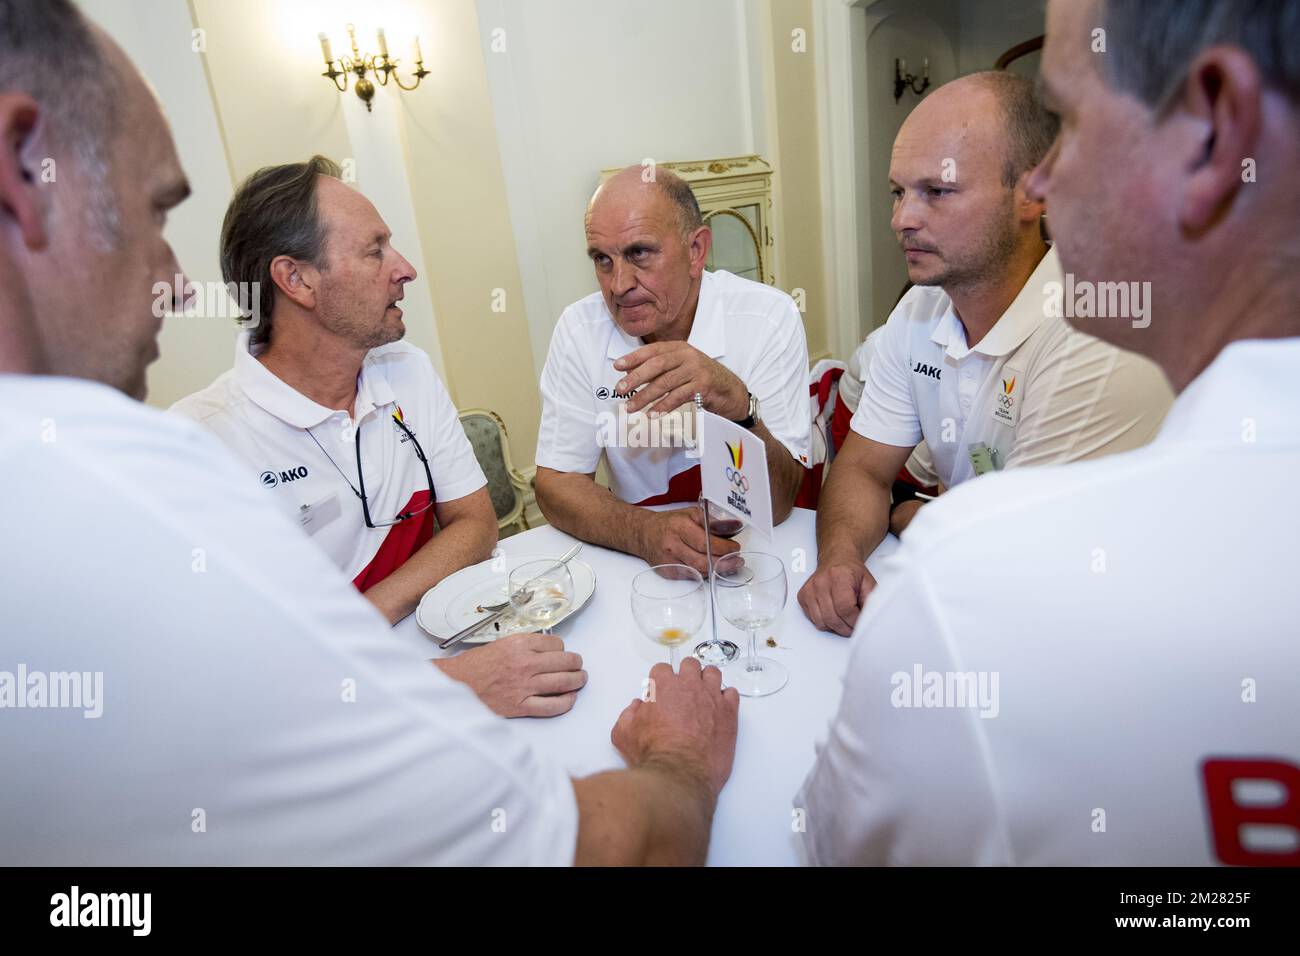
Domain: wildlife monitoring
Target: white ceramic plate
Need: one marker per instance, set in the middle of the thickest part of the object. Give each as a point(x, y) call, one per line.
point(456, 601)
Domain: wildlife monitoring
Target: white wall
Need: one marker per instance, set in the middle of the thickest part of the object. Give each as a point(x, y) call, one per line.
point(582, 86)
point(156, 34)
point(912, 31)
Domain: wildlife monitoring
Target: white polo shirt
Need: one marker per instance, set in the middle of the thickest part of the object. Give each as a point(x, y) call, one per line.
point(254, 709)
point(751, 328)
point(919, 464)
point(1033, 389)
point(304, 455)
point(1139, 614)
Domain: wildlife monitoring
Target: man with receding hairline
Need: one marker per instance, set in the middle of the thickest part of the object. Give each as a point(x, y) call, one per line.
point(348, 430)
point(660, 330)
point(972, 360)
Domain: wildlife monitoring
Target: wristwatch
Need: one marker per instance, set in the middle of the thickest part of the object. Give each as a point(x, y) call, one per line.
point(752, 419)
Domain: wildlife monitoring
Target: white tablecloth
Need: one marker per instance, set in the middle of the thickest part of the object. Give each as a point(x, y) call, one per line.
point(753, 824)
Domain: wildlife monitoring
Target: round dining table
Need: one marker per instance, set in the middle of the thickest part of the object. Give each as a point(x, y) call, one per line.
point(755, 823)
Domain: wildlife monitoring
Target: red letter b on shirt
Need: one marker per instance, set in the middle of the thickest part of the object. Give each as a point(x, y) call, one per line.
point(1228, 817)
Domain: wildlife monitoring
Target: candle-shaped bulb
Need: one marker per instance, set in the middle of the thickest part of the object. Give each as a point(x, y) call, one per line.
point(926, 68)
point(902, 66)
point(419, 57)
point(325, 49)
point(383, 43)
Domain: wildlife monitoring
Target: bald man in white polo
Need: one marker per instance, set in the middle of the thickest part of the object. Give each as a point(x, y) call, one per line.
point(976, 358)
point(1098, 663)
point(661, 329)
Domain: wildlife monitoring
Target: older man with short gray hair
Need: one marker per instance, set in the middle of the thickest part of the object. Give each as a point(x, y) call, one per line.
point(661, 329)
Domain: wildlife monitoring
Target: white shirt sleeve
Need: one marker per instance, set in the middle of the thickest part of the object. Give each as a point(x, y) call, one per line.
point(1087, 399)
point(780, 383)
point(567, 436)
point(456, 472)
point(255, 709)
point(887, 411)
point(895, 785)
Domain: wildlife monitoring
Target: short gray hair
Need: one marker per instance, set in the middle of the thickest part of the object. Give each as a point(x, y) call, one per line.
point(1030, 128)
point(273, 213)
point(1153, 42)
point(678, 191)
point(49, 52)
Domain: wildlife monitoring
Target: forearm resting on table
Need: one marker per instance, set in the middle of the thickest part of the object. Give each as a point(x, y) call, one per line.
point(465, 539)
point(652, 815)
point(852, 514)
point(575, 504)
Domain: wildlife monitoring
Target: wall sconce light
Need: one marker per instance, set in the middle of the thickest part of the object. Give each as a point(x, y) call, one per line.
point(905, 81)
point(382, 65)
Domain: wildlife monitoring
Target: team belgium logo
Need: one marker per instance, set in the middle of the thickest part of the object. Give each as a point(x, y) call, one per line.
point(399, 423)
point(1006, 399)
point(737, 452)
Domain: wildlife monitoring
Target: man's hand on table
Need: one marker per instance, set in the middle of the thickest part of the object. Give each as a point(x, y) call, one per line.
point(677, 537)
point(669, 374)
point(522, 675)
point(835, 595)
point(688, 729)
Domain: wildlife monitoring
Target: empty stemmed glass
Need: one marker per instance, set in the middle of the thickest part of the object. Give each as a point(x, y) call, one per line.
point(751, 594)
point(668, 605)
point(540, 592)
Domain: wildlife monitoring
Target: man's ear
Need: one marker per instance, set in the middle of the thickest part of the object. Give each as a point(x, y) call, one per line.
point(1221, 98)
point(1029, 207)
point(701, 240)
point(297, 280)
point(19, 193)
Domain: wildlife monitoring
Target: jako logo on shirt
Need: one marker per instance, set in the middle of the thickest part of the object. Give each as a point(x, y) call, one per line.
point(272, 478)
point(603, 393)
point(930, 370)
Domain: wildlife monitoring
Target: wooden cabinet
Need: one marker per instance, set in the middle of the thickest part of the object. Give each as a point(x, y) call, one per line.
point(735, 197)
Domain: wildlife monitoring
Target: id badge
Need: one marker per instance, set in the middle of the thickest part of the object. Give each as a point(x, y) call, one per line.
point(983, 459)
point(314, 517)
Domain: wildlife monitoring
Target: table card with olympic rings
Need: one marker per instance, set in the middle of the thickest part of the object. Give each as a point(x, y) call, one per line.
point(733, 471)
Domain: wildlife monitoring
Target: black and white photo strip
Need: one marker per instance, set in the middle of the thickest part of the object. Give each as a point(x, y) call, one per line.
point(771, 436)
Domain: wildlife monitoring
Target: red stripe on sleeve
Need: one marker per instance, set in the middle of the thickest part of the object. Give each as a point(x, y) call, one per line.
point(403, 540)
point(683, 487)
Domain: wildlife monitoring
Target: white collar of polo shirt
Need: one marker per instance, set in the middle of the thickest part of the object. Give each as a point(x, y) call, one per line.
point(1021, 319)
point(289, 405)
point(1249, 381)
point(708, 329)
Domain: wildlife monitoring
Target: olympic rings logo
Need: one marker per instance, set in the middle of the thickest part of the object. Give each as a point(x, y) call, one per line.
point(738, 481)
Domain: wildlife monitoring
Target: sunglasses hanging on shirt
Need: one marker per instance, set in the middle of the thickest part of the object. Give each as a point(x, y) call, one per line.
point(361, 492)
